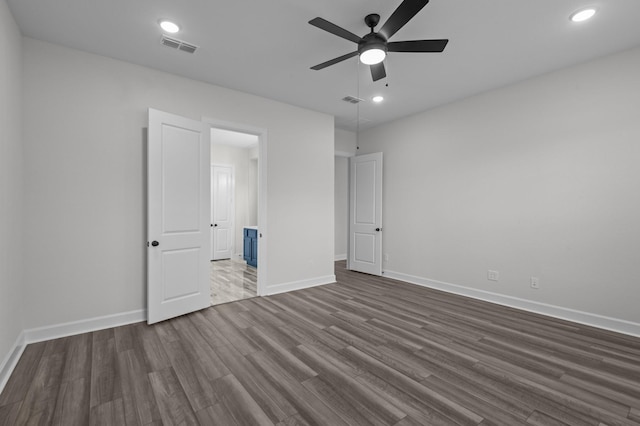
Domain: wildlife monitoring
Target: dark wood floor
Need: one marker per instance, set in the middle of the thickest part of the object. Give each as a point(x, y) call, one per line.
point(364, 351)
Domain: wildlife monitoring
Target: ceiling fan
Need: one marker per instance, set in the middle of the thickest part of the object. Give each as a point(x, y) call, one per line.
point(373, 47)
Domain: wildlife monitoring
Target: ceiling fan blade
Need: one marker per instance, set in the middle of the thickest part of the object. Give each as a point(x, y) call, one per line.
point(417, 46)
point(323, 24)
point(403, 14)
point(378, 72)
point(334, 61)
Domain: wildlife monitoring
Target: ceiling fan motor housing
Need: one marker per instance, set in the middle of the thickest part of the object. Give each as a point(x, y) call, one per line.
point(372, 41)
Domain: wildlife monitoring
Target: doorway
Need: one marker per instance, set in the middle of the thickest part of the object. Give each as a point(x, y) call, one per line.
point(179, 213)
point(234, 211)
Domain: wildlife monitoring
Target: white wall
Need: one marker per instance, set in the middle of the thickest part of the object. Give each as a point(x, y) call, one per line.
point(245, 184)
point(345, 146)
point(541, 178)
point(11, 203)
point(253, 185)
point(85, 180)
point(345, 142)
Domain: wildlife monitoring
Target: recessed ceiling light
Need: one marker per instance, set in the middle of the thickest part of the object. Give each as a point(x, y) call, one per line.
point(583, 15)
point(169, 26)
point(377, 99)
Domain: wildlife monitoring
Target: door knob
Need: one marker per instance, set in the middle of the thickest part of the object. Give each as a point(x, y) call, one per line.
point(377, 229)
point(215, 224)
point(155, 243)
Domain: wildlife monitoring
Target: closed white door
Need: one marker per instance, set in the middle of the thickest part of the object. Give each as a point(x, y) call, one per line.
point(222, 212)
point(365, 227)
point(178, 186)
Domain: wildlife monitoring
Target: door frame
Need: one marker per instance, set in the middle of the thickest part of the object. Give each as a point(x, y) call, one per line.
point(261, 132)
point(347, 218)
point(232, 204)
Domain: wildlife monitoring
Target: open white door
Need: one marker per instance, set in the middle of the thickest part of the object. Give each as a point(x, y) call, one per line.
point(365, 224)
point(178, 187)
point(221, 212)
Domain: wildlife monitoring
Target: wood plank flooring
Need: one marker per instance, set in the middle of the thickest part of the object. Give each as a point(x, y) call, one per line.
point(232, 280)
point(364, 351)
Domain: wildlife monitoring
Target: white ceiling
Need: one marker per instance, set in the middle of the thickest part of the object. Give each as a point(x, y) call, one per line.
point(231, 138)
point(266, 47)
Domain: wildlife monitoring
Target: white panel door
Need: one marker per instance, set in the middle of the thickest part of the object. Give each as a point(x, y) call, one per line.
point(365, 227)
point(178, 186)
point(221, 212)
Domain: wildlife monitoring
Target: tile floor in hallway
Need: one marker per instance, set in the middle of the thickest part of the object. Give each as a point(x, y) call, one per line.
point(231, 280)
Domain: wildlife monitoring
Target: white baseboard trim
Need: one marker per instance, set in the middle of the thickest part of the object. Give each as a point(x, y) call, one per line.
point(586, 318)
point(11, 360)
point(299, 285)
point(49, 332)
point(340, 257)
point(40, 334)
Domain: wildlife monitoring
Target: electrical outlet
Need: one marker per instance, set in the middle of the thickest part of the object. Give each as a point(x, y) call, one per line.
point(386, 257)
point(493, 275)
point(535, 282)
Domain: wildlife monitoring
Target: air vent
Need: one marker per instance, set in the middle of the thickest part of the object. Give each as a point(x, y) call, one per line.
point(352, 99)
point(189, 48)
point(178, 44)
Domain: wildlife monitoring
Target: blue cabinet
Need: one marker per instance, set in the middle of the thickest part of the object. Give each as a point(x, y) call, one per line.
point(251, 246)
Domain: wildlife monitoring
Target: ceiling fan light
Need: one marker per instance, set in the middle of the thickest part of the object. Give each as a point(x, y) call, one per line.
point(372, 56)
point(583, 15)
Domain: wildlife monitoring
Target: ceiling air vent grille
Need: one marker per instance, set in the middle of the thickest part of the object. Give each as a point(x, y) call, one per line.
point(178, 44)
point(189, 48)
point(352, 99)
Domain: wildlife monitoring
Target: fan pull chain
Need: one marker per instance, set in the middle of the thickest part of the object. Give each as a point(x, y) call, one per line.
point(358, 105)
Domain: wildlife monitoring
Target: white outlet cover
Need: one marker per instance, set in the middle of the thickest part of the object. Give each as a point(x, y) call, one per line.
point(535, 282)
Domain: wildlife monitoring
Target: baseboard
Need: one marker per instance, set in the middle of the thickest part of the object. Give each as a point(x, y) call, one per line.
point(11, 360)
point(340, 257)
point(299, 285)
point(40, 334)
point(586, 318)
